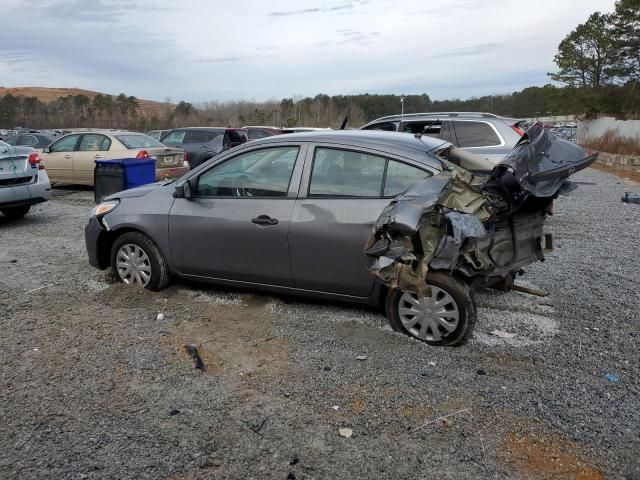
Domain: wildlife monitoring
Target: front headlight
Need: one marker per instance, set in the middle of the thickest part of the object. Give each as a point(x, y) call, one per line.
point(104, 208)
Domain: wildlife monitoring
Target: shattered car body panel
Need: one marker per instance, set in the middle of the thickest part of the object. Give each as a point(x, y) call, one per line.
point(481, 229)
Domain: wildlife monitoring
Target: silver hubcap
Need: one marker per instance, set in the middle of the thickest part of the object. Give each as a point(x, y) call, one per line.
point(134, 267)
point(429, 318)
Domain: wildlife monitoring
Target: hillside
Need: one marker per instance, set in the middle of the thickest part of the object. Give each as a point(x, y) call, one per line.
point(46, 95)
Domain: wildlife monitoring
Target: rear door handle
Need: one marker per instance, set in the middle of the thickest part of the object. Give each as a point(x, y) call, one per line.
point(264, 220)
point(97, 156)
point(67, 156)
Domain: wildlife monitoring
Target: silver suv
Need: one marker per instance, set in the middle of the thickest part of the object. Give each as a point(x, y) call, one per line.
point(484, 134)
point(23, 180)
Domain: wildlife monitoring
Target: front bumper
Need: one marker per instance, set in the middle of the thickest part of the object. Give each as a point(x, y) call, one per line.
point(94, 241)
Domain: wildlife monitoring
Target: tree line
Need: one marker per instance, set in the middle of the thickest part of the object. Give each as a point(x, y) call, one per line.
point(598, 66)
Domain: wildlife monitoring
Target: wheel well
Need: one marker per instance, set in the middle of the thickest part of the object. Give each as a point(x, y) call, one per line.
point(105, 243)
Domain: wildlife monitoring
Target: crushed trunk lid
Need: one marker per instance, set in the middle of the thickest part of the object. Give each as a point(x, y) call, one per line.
point(482, 228)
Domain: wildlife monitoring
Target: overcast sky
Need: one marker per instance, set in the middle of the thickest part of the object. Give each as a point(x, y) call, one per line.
point(200, 50)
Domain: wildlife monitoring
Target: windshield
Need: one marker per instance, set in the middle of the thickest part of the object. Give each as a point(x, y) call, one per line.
point(139, 141)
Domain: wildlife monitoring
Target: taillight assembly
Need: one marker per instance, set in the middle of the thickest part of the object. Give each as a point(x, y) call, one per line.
point(35, 161)
point(142, 154)
point(517, 129)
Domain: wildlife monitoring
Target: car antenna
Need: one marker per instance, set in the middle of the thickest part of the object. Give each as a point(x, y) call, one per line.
point(344, 122)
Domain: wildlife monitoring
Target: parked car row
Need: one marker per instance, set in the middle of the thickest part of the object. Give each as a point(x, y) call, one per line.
point(71, 157)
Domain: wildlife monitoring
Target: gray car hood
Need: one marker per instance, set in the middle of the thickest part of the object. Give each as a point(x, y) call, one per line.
point(135, 192)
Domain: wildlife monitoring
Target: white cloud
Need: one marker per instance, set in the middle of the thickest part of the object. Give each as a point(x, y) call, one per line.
point(211, 50)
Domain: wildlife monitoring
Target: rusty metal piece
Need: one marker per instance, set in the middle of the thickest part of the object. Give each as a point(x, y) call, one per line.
point(530, 291)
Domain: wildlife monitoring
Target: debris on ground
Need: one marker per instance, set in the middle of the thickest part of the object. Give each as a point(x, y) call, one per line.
point(502, 334)
point(160, 317)
point(361, 357)
point(345, 432)
point(174, 412)
point(294, 460)
point(336, 407)
point(629, 198)
point(39, 288)
point(432, 364)
point(193, 353)
point(611, 377)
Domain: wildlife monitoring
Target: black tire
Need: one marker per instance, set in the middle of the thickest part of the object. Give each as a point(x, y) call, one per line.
point(16, 212)
point(463, 297)
point(159, 271)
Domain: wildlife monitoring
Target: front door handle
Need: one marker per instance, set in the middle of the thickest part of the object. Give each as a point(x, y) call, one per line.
point(264, 220)
point(97, 156)
point(67, 156)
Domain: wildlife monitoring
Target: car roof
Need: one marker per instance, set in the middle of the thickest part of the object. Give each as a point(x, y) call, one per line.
point(208, 129)
point(394, 143)
point(104, 131)
point(413, 116)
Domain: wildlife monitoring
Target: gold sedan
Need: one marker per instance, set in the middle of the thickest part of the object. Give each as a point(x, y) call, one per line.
point(71, 159)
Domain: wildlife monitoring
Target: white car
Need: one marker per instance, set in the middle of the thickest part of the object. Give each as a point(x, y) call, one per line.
point(23, 180)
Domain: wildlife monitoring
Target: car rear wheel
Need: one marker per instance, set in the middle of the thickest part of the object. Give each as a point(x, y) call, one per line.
point(15, 212)
point(136, 260)
point(446, 318)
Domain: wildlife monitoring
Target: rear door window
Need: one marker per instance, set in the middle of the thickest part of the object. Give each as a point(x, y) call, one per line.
point(199, 136)
point(343, 173)
point(401, 176)
point(475, 134)
point(94, 143)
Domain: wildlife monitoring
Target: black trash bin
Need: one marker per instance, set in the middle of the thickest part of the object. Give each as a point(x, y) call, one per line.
point(112, 176)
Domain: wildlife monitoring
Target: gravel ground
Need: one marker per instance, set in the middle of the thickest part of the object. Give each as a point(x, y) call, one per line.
point(94, 385)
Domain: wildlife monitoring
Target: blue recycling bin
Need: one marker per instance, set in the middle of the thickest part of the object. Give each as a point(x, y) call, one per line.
point(111, 176)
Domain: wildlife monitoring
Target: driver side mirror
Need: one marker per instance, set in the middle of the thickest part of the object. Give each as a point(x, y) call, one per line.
point(183, 190)
point(46, 150)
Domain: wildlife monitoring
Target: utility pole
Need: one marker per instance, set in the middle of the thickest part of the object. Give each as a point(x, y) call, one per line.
point(401, 107)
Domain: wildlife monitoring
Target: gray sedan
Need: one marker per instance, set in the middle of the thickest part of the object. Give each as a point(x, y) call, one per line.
point(292, 214)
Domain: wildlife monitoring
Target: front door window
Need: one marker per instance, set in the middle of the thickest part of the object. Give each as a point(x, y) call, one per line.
point(259, 173)
point(66, 144)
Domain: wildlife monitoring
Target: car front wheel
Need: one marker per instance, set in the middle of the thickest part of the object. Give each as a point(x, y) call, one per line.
point(445, 318)
point(15, 212)
point(136, 260)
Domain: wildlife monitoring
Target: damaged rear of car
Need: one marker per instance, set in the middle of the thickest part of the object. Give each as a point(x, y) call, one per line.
point(442, 237)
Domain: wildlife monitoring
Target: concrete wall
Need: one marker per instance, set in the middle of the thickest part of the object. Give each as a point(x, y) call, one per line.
point(593, 129)
point(622, 162)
